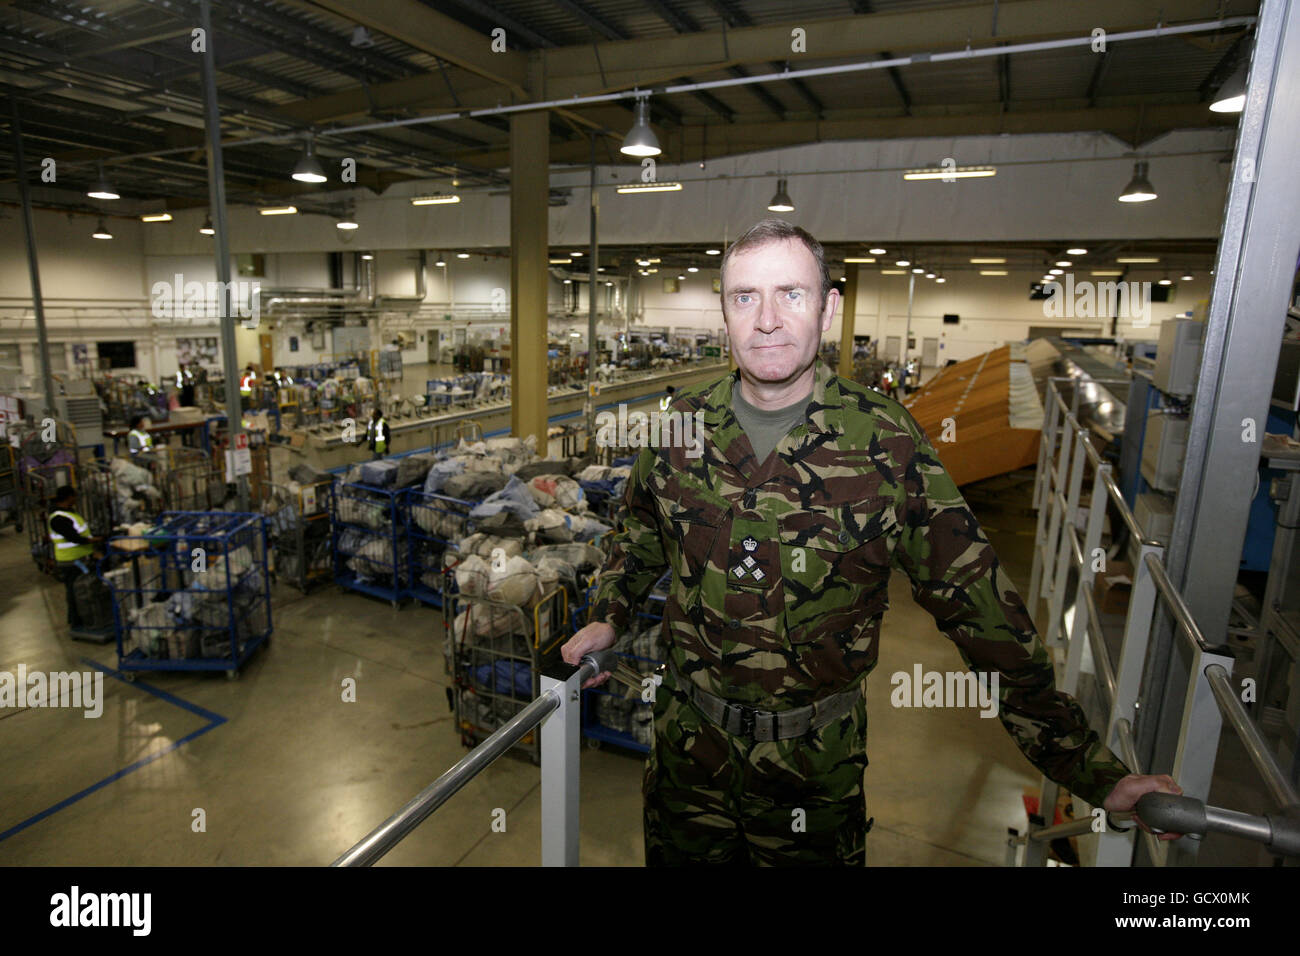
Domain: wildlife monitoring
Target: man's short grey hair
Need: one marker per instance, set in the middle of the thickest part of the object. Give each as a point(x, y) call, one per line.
point(778, 230)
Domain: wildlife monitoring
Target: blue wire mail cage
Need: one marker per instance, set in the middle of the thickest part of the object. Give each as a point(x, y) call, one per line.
point(370, 545)
point(434, 524)
point(191, 593)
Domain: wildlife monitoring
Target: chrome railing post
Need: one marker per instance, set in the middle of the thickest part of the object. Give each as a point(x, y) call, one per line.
point(1132, 655)
point(1064, 557)
point(1083, 620)
point(560, 766)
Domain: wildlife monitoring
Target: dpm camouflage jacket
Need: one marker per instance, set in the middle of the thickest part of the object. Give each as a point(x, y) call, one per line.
point(780, 570)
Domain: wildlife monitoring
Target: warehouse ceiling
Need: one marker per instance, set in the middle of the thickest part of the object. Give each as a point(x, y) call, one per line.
point(114, 83)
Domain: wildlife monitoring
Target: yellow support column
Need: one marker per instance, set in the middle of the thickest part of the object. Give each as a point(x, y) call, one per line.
point(846, 321)
point(529, 247)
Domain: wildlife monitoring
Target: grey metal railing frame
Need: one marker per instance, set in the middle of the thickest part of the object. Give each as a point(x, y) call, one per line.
point(1064, 453)
point(557, 710)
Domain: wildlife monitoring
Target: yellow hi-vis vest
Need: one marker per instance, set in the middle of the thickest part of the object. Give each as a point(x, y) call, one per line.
point(665, 402)
point(65, 550)
point(143, 441)
point(246, 385)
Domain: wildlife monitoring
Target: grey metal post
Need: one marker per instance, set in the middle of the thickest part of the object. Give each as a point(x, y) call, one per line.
point(29, 231)
point(1198, 743)
point(1042, 490)
point(593, 254)
point(1133, 652)
point(1065, 555)
point(907, 337)
point(560, 766)
point(220, 238)
point(1083, 621)
point(1253, 274)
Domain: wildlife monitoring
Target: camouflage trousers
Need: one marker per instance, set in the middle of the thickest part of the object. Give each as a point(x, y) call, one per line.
point(711, 797)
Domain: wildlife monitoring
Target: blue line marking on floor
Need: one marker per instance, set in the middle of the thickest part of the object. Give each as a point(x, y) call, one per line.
point(214, 721)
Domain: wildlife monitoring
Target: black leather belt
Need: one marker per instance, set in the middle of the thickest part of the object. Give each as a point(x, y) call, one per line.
point(765, 726)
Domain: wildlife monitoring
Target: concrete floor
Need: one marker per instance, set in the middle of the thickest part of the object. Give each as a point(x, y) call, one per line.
point(288, 774)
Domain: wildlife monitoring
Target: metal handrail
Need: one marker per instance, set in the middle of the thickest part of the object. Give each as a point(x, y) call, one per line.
point(1281, 832)
point(1182, 614)
point(1278, 785)
point(396, 828)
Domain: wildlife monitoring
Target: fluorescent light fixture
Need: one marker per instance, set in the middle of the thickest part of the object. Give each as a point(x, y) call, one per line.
point(876, 251)
point(1137, 259)
point(643, 262)
point(439, 199)
point(1165, 281)
point(367, 256)
point(157, 217)
point(781, 201)
point(308, 168)
point(681, 277)
point(1231, 97)
point(929, 275)
point(1056, 272)
point(101, 231)
point(1076, 251)
point(993, 272)
point(640, 139)
point(1064, 263)
point(917, 269)
point(955, 172)
point(1187, 277)
point(713, 252)
point(462, 255)
point(650, 187)
point(559, 262)
point(844, 278)
point(989, 262)
point(1106, 272)
point(1139, 188)
point(903, 262)
point(692, 268)
point(893, 272)
point(568, 281)
point(347, 224)
point(940, 279)
point(206, 228)
point(278, 210)
point(609, 283)
point(575, 254)
point(654, 261)
point(849, 259)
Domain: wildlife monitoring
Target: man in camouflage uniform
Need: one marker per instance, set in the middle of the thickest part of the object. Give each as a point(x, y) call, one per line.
point(780, 571)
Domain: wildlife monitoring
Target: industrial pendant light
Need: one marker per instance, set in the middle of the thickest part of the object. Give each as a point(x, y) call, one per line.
point(206, 228)
point(309, 169)
point(101, 189)
point(781, 201)
point(640, 139)
point(101, 231)
point(1139, 188)
point(1231, 97)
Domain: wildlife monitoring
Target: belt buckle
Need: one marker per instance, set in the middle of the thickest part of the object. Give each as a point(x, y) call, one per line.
point(746, 716)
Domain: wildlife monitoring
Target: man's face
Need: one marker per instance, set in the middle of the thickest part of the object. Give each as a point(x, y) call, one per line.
point(771, 309)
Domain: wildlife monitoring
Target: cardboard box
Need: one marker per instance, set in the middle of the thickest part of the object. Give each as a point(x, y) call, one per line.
point(1111, 588)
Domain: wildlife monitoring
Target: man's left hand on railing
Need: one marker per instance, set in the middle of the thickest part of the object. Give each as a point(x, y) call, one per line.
point(1125, 796)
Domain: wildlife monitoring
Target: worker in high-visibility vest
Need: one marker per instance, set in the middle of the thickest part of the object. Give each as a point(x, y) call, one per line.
point(138, 438)
point(246, 382)
point(667, 399)
point(377, 433)
point(73, 544)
